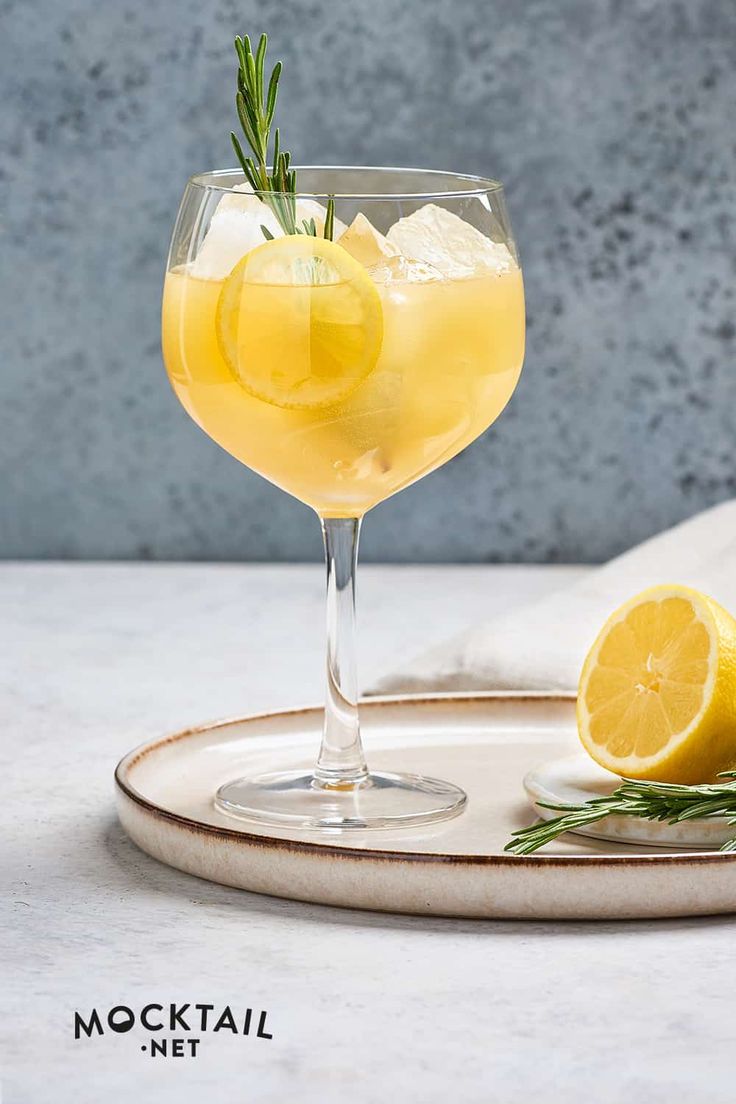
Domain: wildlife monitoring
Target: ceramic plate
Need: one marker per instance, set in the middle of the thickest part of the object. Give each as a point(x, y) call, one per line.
point(486, 744)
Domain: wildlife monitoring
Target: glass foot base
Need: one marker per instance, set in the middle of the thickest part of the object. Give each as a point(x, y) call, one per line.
point(295, 799)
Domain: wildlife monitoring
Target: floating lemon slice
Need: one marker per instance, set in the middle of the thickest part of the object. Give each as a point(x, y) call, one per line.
point(657, 694)
point(299, 322)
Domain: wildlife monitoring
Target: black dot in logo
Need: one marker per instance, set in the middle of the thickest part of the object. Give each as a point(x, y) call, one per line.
point(143, 1047)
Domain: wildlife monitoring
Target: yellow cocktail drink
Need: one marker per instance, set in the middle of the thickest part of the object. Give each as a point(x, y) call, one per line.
point(343, 371)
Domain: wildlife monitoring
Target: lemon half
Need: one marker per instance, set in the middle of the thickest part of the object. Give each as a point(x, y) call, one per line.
point(657, 693)
point(299, 322)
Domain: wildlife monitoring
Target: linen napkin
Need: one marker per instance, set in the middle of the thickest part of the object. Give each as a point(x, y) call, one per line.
point(542, 645)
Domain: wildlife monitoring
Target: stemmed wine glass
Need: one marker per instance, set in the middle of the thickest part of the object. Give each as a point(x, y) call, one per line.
point(343, 370)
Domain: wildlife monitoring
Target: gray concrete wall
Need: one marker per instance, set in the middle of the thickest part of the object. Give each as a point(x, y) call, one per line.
point(612, 124)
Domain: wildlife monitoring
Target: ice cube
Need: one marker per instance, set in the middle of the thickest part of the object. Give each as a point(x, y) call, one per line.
point(235, 229)
point(241, 198)
point(306, 209)
point(397, 269)
point(365, 243)
point(443, 240)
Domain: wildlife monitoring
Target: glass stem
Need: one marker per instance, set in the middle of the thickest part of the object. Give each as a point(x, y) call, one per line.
point(341, 761)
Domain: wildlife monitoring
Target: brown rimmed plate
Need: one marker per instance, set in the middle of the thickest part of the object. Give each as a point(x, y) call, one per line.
point(484, 743)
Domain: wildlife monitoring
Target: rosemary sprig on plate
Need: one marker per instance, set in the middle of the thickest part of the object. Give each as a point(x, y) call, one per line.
point(256, 104)
point(664, 801)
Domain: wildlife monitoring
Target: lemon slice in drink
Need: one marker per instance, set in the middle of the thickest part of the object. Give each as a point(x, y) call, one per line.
point(657, 694)
point(299, 322)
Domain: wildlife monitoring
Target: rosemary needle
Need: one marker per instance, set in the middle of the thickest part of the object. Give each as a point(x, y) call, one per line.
point(663, 801)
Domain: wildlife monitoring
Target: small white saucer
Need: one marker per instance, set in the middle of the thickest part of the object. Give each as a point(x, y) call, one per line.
point(574, 779)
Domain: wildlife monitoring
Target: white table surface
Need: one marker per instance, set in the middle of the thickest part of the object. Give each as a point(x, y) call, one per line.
point(96, 659)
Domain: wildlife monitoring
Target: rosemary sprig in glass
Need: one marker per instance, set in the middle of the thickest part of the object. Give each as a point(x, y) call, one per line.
point(663, 801)
point(256, 104)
